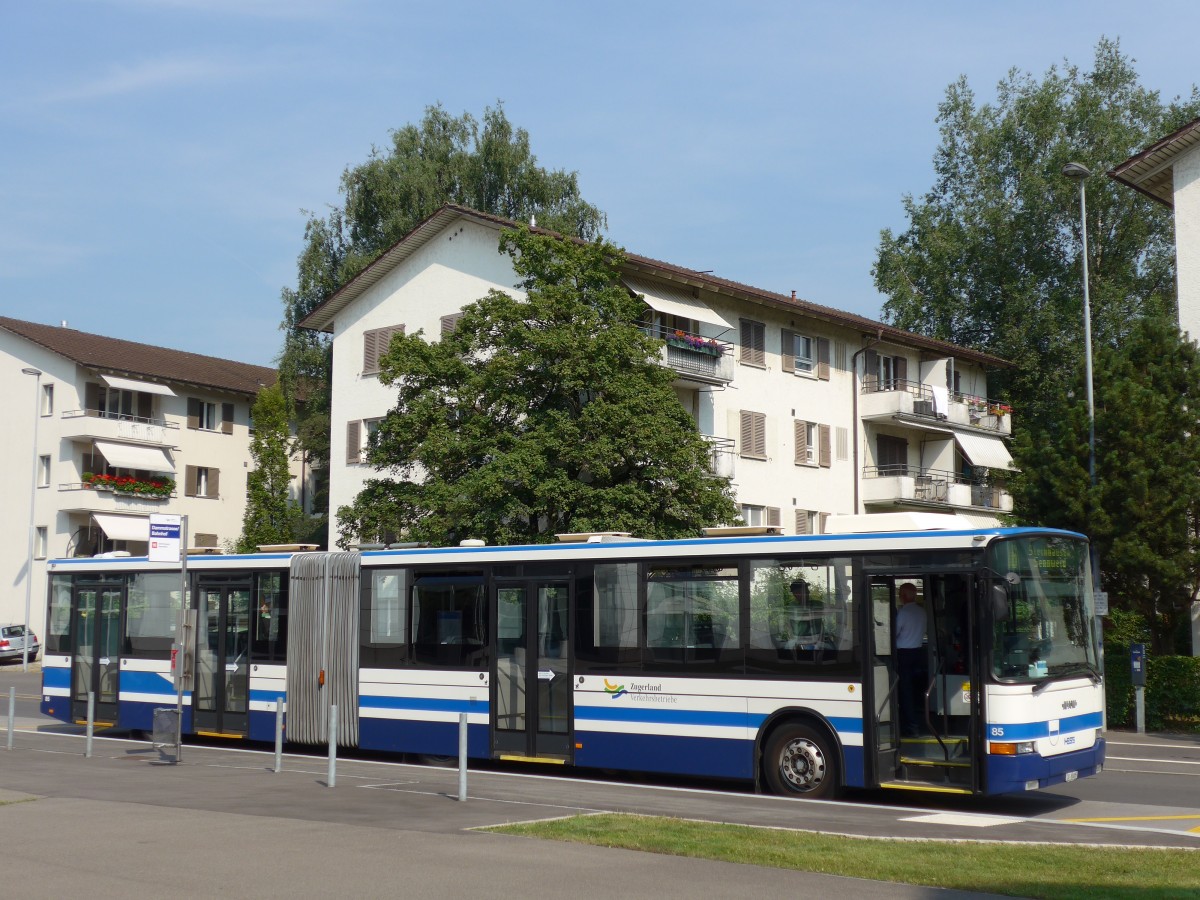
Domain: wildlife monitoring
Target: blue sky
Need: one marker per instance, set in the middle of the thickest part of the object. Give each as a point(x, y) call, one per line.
point(156, 155)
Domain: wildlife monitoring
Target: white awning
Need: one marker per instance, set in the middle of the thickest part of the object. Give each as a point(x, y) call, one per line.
point(135, 456)
point(986, 451)
point(124, 528)
point(674, 303)
point(146, 387)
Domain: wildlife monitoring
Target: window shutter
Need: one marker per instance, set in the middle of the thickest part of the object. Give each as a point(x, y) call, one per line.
point(760, 435)
point(370, 352)
point(802, 521)
point(753, 340)
point(214, 483)
point(901, 370)
point(145, 405)
point(801, 429)
point(774, 517)
point(353, 442)
point(871, 371)
point(226, 418)
point(189, 481)
point(787, 350)
point(747, 435)
point(823, 358)
point(754, 435)
point(91, 397)
point(450, 322)
point(825, 455)
point(193, 418)
point(822, 523)
point(205, 540)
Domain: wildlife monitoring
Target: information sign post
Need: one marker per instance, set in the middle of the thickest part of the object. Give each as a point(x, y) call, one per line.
point(168, 538)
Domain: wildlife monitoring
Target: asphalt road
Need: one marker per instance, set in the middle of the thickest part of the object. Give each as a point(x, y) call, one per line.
point(1151, 783)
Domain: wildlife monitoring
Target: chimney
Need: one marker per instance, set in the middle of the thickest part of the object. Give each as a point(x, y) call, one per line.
point(793, 295)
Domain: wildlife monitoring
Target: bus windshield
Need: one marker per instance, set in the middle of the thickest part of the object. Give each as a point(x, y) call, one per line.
point(1043, 613)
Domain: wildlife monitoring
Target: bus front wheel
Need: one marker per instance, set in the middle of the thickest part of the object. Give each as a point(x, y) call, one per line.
point(798, 762)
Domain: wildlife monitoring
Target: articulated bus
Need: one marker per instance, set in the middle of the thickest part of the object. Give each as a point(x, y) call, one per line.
point(767, 658)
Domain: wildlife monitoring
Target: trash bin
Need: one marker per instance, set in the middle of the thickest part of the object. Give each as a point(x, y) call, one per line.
point(166, 727)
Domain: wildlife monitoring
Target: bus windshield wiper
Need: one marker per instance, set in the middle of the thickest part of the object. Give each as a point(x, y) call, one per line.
point(1070, 670)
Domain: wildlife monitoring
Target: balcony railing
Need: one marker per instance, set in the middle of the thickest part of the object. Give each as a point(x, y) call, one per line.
point(722, 455)
point(93, 423)
point(693, 356)
point(884, 398)
point(889, 484)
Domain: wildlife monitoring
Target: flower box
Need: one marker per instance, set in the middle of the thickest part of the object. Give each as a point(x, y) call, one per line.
point(696, 344)
point(150, 488)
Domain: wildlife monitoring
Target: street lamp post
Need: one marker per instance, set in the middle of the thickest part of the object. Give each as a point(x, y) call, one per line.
point(1080, 173)
point(37, 393)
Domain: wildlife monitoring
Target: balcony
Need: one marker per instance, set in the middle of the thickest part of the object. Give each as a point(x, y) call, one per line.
point(90, 498)
point(898, 398)
point(722, 454)
point(697, 360)
point(94, 424)
point(926, 488)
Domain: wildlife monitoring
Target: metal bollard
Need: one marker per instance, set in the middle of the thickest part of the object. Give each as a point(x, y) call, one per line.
point(462, 757)
point(91, 722)
point(331, 778)
point(278, 735)
point(12, 714)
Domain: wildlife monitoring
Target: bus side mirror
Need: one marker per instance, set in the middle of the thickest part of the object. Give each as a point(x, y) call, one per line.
point(1000, 610)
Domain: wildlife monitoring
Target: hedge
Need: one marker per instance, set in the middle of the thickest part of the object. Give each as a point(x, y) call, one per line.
point(1172, 691)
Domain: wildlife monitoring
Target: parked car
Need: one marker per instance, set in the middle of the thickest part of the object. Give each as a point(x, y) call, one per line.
point(12, 643)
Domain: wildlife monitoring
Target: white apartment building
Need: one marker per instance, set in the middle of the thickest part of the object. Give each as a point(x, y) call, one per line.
point(809, 410)
point(111, 431)
point(1169, 171)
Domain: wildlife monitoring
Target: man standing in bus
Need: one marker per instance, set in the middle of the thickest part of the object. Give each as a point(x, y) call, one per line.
point(910, 660)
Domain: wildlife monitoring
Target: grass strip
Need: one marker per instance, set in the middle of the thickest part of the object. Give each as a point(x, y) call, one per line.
point(1055, 873)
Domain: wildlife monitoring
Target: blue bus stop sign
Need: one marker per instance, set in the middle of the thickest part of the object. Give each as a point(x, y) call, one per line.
point(1137, 664)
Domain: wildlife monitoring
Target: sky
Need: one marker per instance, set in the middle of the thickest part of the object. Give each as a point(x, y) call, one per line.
point(158, 157)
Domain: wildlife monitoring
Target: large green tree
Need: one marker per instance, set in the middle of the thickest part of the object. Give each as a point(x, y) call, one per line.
point(271, 517)
point(538, 415)
point(488, 166)
point(1144, 514)
point(991, 259)
point(991, 255)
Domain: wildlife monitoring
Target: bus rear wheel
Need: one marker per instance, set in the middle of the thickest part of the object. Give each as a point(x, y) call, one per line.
point(798, 762)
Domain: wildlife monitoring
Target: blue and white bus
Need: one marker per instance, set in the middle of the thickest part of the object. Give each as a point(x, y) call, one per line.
point(742, 655)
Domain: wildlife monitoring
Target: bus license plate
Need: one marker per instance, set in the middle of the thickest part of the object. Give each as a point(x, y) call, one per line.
point(1071, 776)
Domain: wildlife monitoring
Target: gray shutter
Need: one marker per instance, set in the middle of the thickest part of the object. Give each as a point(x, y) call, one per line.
point(822, 523)
point(901, 371)
point(787, 350)
point(823, 358)
point(760, 435)
point(353, 442)
point(747, 436)
point(91, 398)
point(802, 521)
point(774, 517)
point(450, 322)
point(801, 429)
point(193, 416)
point(214, 483)
point(825, 454)
point(226, 418)
point(871, 371)
point(189, 481)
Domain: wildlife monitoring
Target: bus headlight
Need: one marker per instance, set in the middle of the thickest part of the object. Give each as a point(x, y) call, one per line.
point(999, 748)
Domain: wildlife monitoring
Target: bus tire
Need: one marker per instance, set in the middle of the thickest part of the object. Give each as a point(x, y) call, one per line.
point(799, 762)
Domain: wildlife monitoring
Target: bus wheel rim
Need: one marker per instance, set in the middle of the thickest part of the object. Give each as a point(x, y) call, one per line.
point(802, 765)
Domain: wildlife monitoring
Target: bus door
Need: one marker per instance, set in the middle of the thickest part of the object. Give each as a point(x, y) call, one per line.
point(97, 664)
point(925, 704)
point(220, 692)
point(531, 684)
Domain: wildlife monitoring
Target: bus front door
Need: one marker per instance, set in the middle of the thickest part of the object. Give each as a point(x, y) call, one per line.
point(220, 693)
point(97, 664)
point(531, 685)
point(925, 717)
